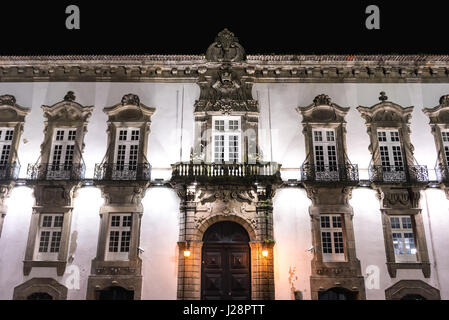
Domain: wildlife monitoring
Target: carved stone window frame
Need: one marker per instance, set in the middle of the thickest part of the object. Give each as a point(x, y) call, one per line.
point(56, 196)
point(324, 114)
point(129, 113)
point(439, 121)
point(121, 197)
point(422, 255)
point(388, 115)
point(12, 116)
point(396, 199)
point(46, 285)
point(66, 114)
point(405, 287)
point(225, 90)
point(330, 198)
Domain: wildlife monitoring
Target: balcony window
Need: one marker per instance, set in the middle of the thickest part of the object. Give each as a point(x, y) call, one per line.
point(62, 152)
point(126, 153)
point(226, 139)
point(325, 154)
point(6, 136)
point(391, 155)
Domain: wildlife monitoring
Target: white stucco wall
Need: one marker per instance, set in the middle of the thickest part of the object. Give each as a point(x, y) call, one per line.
point(159, 232)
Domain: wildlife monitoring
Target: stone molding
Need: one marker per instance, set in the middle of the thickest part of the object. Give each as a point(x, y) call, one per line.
point(439, 120)
point(415, 287)
point(47, 285)
point(387, 114)
point(264, 68)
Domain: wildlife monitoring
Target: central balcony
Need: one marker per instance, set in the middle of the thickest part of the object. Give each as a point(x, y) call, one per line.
point(56, 171)
point(122, 171)
point(346, 173)
point(9, 172)
point(399, 174)
point(226, 172)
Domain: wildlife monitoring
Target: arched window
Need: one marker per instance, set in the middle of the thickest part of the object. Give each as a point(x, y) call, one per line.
point(39, 296)
point(337, 294)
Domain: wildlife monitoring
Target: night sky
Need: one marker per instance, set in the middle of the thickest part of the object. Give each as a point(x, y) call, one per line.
point(167, 27)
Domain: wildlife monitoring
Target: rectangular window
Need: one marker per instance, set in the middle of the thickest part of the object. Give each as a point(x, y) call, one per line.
point(62, 153)
point(391, 155)
point(6, 136)
point(119, 240)
point(325, 154)
point(126, 154)
point(49, 233)
point(226, 139)
point(445, 137)
point(403, 238)
point(332, 238)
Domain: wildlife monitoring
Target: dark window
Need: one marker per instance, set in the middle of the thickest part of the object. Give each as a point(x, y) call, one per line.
point(337, 294)
point(115, 293)
point(40, 296)
point(413, 297)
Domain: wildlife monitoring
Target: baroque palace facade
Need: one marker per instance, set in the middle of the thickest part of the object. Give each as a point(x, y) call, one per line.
point(224, 176)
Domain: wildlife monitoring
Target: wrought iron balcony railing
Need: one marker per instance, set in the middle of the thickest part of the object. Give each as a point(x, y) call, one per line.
point(398, 174)
point(225, 170)
point(442, 173)
point(122, 171)
point(9, 171)
point(330, 173)
point(56, 171)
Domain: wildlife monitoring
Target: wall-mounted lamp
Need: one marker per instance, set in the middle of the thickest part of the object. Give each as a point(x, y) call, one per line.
point(186, 253)
point(265, 253)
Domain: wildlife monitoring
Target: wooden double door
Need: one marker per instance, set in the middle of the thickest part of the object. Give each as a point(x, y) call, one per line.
point(226, 260)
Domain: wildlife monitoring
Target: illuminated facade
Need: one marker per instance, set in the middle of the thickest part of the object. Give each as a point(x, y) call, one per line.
point(224, 176)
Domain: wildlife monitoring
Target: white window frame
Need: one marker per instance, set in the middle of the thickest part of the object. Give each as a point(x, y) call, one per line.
point(227, 133)
point(48, 252)
point(334, 231)
point(121, 230)
point(391, 168)
point(6, 145)
point(326, 168)
point(445, 140)
point(62, 168)
point(129, 164)
point(405, 230)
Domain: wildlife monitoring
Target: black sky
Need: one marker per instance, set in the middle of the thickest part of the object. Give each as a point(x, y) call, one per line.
point(169, 27)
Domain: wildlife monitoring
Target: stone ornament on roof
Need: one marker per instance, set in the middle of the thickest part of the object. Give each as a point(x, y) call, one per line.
point(130, 99)
point(321, 100)
point(444, 100)
point(70, 96)
point(226, 48)
point(7, 100)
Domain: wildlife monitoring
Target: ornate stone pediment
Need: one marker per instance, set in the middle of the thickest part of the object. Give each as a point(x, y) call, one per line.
point(386, 112)
point(226, 48)
point(10, 111)
point(67, 110)
point(440, 113)
point(225, 92)
point(323, 110)
point(130, 109)
point(400, 198)
point(226, 195)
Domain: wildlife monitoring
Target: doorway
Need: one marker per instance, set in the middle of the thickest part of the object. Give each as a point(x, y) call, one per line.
point(225, 263)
